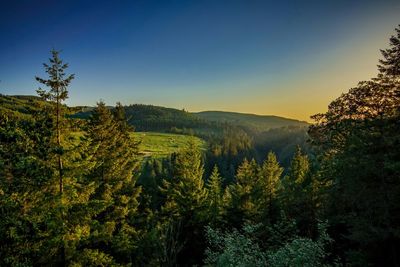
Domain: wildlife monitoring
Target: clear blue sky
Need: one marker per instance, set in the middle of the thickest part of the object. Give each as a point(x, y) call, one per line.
point(288, 58)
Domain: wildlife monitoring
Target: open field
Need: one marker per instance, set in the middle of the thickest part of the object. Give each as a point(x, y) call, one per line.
point(159, 145)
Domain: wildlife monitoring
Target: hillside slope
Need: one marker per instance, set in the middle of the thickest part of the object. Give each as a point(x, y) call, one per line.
point(25, 105)
point(259, 123)
point(20, 106)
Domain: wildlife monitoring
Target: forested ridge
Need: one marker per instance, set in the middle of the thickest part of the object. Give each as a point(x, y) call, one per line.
point(327, 194)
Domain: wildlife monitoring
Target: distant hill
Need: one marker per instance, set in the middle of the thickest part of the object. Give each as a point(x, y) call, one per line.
point(24, 105)
point(259, 123)
point(162, 119)
point(225, 132)
point(19, 105)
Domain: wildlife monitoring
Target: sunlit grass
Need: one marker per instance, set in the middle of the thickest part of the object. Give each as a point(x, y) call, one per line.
point(153, 144)
point(160, 145)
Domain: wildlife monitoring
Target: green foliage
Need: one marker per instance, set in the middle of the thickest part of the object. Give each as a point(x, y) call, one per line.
point(302, 252)
point(93, 257)
point(40, 225)
point(390, 64)
point(234, 248)
point(21, 107)
point(69, 193)
point(214, 199)
point(293, 184)
point(185, 192)
point(268, 184)
point(358, 140)
point(252, 122)
point(114, 154)
point(58, 81)
point(241, 248)
point(161, 145)
point(239, 197)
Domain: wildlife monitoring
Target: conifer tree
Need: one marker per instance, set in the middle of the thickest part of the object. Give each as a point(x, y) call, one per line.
point(47, 206)
point(214, 186)
point(240, 197)
point(185, 190)
point(293, 185)
point(185, 204)
point(268, 183)
point(114, 155)
point(58, 81)
point(390, 64)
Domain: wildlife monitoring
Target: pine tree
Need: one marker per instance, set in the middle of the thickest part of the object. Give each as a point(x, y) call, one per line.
point(269, 183)
point(215, 193)
point(185, 190)
point(390, 64)
point(49, 215)
point(185, 206)
point(58, 82)
point(293, 185)
point(240, 197)
point(114, 154)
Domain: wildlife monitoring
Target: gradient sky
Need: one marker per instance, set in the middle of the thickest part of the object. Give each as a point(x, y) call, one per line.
point(287, 58)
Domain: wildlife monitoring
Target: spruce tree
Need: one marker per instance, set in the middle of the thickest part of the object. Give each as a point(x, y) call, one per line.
point(185, 206)
point(49, 215)
point(390, 64)
point(185, 190)
point(214, 186)
point(269, 183)
point(114, 154)
point(58, 82)
point(240, 197)
point(293, 185)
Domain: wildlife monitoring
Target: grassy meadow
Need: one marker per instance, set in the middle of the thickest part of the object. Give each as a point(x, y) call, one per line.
point(159, 145)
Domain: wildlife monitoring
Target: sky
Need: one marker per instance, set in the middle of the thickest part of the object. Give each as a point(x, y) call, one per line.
point(285, 58)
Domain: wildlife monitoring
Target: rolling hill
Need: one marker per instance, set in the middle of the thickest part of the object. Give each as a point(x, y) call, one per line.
point(259, 123)
point(162, 119)
point(168, 129)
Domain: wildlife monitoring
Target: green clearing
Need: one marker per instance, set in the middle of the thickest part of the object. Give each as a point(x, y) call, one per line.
point(159, 145)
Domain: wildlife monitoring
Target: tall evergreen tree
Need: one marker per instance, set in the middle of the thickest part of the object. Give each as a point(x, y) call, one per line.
point(185, 190)
point(185, 206)
point(215, 193)
point(114, 155)
point(58, 81)
point(293, 185)
point(240, 197)
point(268, 184)
point(390, 64)
point(46, 204)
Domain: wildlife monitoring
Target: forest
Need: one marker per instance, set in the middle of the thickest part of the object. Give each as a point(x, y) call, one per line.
point(75, 189)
